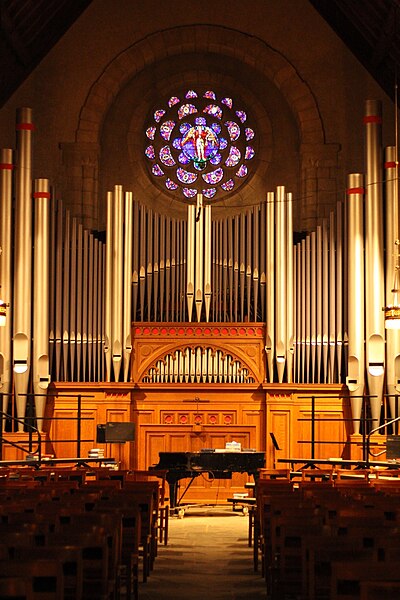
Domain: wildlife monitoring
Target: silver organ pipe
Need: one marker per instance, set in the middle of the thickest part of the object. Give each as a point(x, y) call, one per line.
point(207, 260)
point(325, 301)
point(290, 306)
point(281, 282)
point(392, 248)
point(199, 365)
point(40, 350)
point(319, 330)
point(72, 301)
point(162, 267)
point(313, 305)
point(374, 265)
point(308, 309)
point(117, 295)
point(22, 261)
point(6, 169)
point(190, 288)
point(156, 265)
point(332, 298)
point(356, 363)
point(340, 252)
point(65, 327)
point(270, 284)
point(108, 277)
point(127, 285)
point(199, 256)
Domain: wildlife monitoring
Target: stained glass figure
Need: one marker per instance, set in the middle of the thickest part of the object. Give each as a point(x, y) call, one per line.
point(210, 95)
point(172, 101)
point(191, 94)
point(200, 144)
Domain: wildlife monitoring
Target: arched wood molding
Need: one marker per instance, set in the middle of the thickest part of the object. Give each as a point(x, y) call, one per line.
point(153, 342)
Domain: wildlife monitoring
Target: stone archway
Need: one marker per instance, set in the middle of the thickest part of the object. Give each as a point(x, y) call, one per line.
point(318, 160)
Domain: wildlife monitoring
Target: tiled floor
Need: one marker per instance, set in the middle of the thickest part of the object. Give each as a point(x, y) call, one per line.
point(207, 558)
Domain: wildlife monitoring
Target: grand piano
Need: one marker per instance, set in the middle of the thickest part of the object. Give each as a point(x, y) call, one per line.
point(219, 465)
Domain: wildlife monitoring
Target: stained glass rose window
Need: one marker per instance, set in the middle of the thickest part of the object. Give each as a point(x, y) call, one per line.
point(199, 143)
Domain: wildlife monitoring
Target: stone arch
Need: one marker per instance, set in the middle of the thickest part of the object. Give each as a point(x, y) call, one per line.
point(318, 161)
point(202, 39)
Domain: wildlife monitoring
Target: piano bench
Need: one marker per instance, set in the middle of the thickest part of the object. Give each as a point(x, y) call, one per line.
point(244, 504)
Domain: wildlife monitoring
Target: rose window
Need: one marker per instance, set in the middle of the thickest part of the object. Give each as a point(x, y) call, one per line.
point(199, 144)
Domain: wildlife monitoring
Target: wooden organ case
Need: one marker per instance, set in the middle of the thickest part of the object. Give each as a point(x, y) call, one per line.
point(197, 386)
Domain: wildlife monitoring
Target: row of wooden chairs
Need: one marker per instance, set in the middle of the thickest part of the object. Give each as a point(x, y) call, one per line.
point(328, 538)
point(98, 528)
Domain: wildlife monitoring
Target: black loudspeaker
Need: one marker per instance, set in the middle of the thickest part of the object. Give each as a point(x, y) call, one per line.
point(115, 432)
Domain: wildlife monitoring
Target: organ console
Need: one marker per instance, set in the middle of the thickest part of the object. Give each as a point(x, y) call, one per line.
point(219, 465)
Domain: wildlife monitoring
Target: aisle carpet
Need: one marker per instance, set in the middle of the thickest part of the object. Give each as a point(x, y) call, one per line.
point(207, 557)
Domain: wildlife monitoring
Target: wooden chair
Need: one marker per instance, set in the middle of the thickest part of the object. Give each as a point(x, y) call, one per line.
point(46, 576)
point(15, 588)
point(70, 559)
point(347, 576)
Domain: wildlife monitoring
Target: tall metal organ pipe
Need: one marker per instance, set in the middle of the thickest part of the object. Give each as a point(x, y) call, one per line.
point(41, 291)
point(356, 308)
point(281, 282)
point(374, 266)
point(392, 249)
point(23, 261)
point(6, 170)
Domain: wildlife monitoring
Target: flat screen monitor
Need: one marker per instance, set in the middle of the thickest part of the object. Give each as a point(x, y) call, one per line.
point(116, 432)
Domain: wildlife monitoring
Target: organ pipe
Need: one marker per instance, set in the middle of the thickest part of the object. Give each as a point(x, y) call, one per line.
point(22, 261)
point(392, 236)
point(281, 282)
point(374, 268)
point(127, 286)
point(356, 306)
point(290, 289)
point(40, 353)
point(108, 295)
point(190, 259)
point(270, 284)
point(6, 169)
